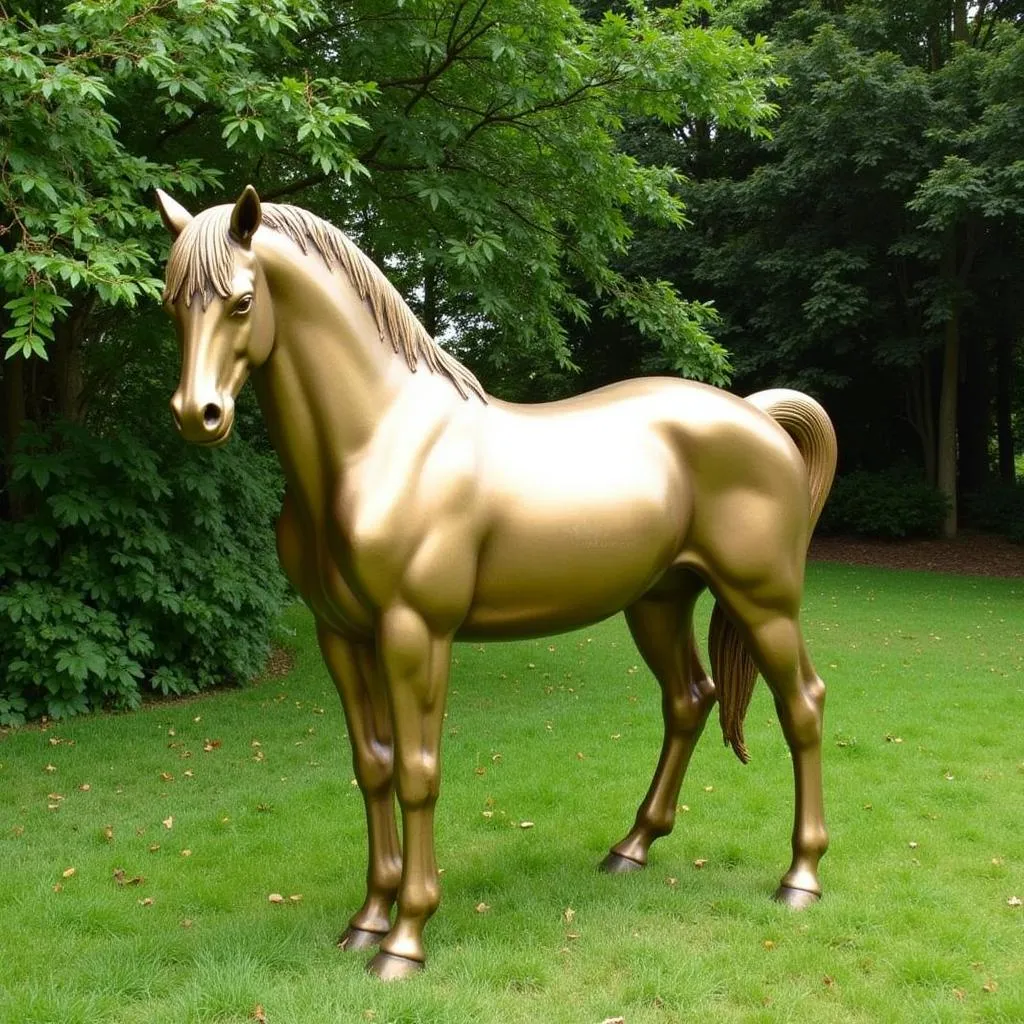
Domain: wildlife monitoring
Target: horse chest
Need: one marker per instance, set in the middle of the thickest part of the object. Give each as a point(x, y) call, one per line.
point(318, 564)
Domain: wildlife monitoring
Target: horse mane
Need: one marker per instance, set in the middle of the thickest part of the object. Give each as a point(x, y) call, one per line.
point(201, 264)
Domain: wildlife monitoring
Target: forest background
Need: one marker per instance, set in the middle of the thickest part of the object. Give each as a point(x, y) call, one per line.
point(755, 193)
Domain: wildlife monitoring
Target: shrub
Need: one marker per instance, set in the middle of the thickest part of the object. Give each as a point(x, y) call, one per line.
point(144, 565)
point(890, 504)
point(998, 508)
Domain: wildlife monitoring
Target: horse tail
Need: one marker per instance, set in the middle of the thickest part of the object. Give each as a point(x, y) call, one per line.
point(732, 667)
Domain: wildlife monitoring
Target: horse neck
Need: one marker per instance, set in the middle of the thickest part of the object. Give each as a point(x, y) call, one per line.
point(329, 379)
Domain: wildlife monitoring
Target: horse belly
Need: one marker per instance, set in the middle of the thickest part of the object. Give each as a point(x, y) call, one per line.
point(575, 553)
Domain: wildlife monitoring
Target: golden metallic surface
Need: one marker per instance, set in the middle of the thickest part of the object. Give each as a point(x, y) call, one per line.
point(419, 511)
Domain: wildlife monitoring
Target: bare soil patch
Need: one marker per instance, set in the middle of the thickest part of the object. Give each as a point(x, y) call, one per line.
point(971, 554)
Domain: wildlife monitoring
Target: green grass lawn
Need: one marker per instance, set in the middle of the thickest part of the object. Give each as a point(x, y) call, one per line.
point(217, 803)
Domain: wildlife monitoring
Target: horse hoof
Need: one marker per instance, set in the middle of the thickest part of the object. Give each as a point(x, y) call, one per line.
point(389, 967)
point(795, 899)
point(616, 864)
point(359, 938)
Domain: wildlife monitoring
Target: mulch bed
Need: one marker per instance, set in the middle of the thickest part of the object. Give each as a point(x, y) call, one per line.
point(969, 554)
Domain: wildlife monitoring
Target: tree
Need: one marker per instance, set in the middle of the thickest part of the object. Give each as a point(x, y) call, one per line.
point(870, 249)
point(469, 145)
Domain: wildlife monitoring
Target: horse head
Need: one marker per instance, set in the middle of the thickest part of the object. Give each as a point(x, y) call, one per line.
point(218, 297)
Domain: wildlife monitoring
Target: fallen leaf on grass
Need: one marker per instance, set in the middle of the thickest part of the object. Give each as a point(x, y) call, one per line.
point(482, 908)
point(67, 872)
point(85, 787)
point(51, 768)
point(169, 822)
point(211, 745)
point(108, 833)
point(912, 845)
point(671, 882)
point(959, 994)
point(188, 773)
point(167, 776)
point(700, 862)
point(186, 853)
point(1013, 901)
point(147, 902)
point(828, 981)
point(275, 897)
point(768, 944)
point(58, 887)
point(568, 915)
point(990, 986)
point(259, 1015)
point(296, 897)
point(153, 847)
point(119, 877)
point(614, 1020)
point(186, 922)
point(889, 738)
point(526, 824)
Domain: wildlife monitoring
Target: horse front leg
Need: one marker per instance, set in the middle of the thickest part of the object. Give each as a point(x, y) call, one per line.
point(415, 664)
point(353, 666)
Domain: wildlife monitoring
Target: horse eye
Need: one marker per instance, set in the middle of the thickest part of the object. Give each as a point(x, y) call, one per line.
point(243, 306)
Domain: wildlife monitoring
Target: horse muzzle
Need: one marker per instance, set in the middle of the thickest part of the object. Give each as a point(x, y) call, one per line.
point(205, 421)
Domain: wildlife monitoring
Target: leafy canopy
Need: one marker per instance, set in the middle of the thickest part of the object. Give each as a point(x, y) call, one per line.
point(471, 145)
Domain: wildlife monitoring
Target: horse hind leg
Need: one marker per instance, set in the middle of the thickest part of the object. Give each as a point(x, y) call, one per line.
point(768, 624)
point(662, 627)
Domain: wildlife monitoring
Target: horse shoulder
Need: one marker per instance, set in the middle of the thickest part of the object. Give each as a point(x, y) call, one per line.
point(406, 500)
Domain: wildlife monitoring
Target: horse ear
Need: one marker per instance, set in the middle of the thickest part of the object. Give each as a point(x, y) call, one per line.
point(174, 215)
point(246, 216)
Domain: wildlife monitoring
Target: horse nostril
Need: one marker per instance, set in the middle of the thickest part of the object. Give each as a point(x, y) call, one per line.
point(212, 414)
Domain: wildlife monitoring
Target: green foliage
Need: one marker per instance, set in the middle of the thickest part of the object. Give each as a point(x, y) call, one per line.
point(475, 142)
point(496, 174)
point(90, 94)
point(880, 223)
point(892, 504)
point(998, 508)
point(143, 565)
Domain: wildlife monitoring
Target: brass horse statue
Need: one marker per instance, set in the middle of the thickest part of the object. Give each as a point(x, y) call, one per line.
point(419, 510)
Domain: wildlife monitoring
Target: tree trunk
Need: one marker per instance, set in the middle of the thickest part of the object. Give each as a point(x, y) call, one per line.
point(960, 25)
point(946, 454)
point(974, 419)
point(13, 385)
point(1004, 407)
point(921, 412)
point(68, 382)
